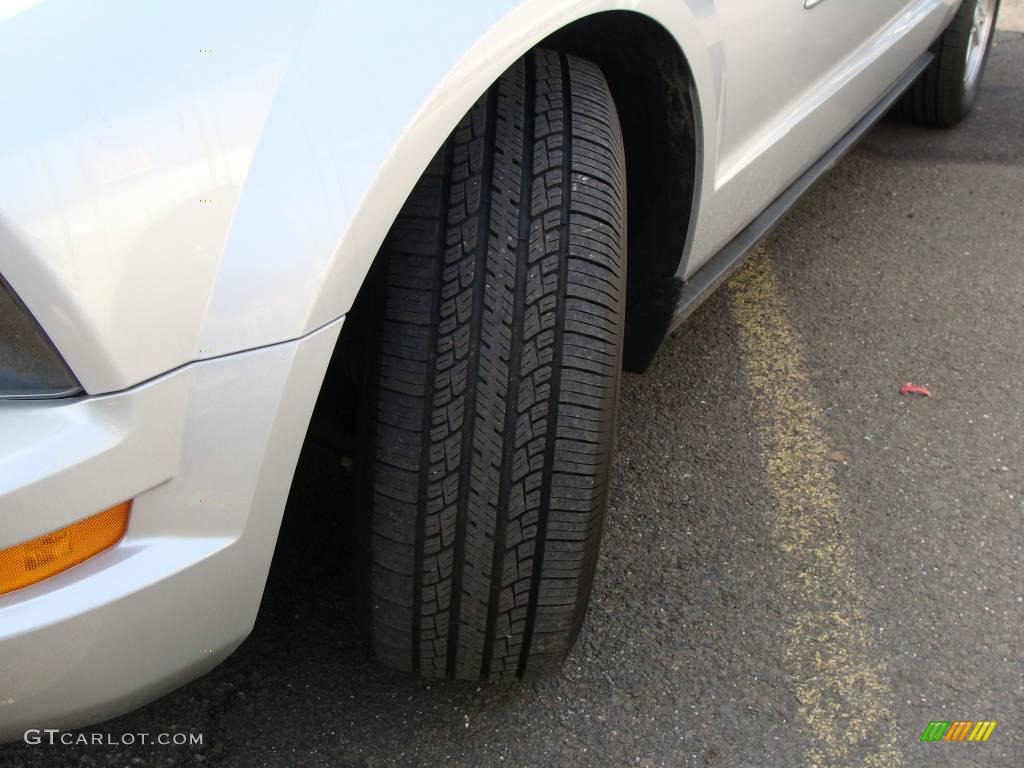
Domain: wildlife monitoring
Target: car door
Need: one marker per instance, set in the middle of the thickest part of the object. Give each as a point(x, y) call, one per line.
point(798, 75)
point(840, 39)
point(852, 52)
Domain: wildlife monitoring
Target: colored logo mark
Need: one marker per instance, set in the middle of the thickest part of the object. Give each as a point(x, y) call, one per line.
point(958, 730)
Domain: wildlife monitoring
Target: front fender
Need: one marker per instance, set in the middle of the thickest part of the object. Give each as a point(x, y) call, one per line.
point(204, 181)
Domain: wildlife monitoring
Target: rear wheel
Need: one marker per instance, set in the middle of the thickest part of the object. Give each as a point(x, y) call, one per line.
point(494, 381)
point(946, 92)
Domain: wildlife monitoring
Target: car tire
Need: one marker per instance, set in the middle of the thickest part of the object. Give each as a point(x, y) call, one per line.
point(494, 378)
point(945, 94)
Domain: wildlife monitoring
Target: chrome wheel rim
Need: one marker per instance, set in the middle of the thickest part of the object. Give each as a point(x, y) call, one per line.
point(977, 40)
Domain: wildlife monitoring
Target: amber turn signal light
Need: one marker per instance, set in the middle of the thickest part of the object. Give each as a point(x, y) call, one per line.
point(51, 553)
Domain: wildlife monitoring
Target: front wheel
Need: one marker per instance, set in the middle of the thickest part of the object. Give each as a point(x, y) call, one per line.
point(494, 379)
point(946, 92)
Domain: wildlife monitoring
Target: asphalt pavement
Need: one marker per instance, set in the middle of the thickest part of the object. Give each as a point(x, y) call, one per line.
point(801, 565)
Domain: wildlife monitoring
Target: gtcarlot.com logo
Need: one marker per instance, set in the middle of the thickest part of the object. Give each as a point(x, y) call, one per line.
point(54, 736)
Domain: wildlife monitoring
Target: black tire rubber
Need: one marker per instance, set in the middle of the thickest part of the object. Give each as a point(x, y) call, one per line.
point(495, 379)
point(940, 98)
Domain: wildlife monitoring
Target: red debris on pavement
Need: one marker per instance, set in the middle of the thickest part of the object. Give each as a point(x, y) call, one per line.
point(914, 389)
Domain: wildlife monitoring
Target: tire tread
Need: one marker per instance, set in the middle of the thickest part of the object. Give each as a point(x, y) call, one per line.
point(496, 381)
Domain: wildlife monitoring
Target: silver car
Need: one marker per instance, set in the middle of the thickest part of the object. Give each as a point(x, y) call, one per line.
point(470, 218)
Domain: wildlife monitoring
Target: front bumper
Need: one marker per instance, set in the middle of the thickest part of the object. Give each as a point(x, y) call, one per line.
point(207, 452)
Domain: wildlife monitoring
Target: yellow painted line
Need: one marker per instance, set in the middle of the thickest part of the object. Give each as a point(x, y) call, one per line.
point(838, 680)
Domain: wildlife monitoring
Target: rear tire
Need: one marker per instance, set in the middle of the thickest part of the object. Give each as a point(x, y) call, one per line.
point(946, 91)
point(495, 381)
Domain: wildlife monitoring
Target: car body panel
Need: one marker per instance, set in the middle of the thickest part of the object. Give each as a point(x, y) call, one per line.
point(220, 183)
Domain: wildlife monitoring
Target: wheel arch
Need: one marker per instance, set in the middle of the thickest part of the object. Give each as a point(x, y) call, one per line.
point(657, 90)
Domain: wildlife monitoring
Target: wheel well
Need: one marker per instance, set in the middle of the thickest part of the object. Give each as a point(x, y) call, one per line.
point(651, 83)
